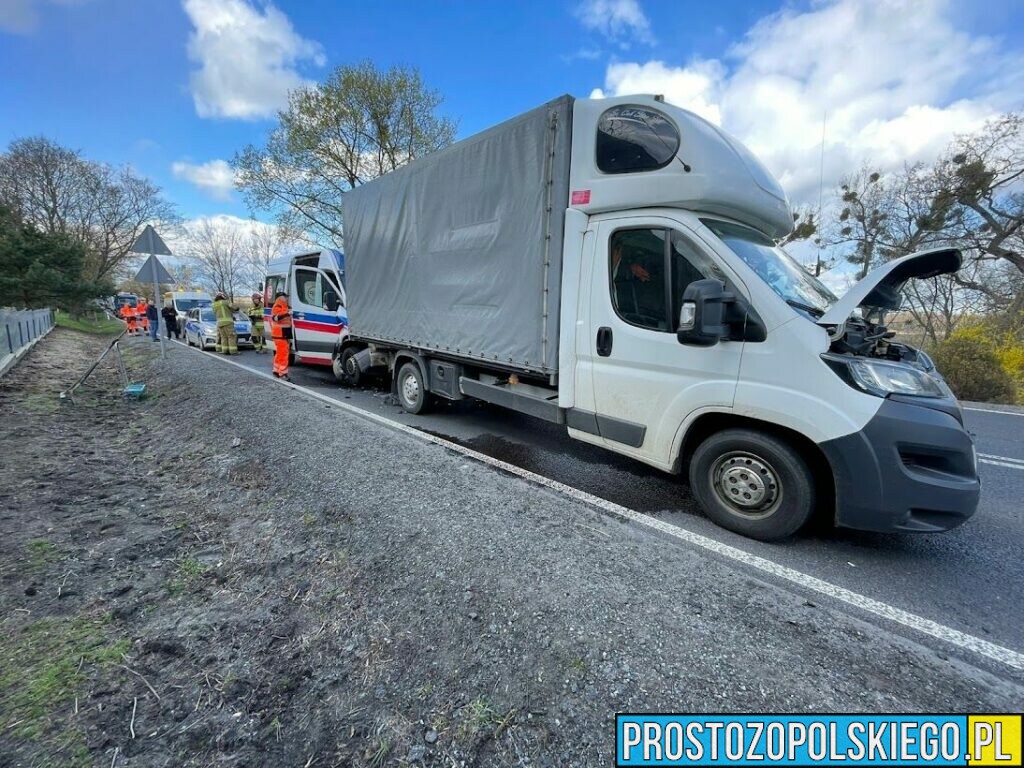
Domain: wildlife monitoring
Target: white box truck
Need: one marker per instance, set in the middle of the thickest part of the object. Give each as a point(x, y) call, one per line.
point(611, 265)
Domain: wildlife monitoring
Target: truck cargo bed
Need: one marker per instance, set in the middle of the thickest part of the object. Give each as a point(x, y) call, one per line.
point(460, 252)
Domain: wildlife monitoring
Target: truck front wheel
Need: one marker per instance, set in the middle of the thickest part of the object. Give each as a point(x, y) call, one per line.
point(752, 483)
point(412, 390)
point(346, 367)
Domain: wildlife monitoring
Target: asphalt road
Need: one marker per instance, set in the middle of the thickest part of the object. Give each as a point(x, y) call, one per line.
point(970, 579)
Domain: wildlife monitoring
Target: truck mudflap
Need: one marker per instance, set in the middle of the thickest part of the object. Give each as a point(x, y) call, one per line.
point(911, 468)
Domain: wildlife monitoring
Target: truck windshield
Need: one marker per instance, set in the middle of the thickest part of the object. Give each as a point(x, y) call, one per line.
point(773, 265)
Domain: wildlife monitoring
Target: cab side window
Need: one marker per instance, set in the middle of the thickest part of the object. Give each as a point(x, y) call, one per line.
point(649, 270)
point(632, 138)
point(308, 288)
point(638, 277)
point(275, 283)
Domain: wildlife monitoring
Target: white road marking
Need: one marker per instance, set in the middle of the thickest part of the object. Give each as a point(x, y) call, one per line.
point(1001, 461)
point(955, 637)
point(1001, 464)
point(991, 410)
point(1001, 458)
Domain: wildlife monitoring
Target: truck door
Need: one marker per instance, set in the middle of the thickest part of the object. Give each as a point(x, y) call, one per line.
point(316, 315)
point(645, 382)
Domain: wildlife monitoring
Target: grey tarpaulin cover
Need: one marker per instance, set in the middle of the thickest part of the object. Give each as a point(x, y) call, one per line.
point(457, 252)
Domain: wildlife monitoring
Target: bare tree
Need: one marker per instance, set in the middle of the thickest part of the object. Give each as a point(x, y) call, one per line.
point(979, 196)
point(266, 242)
point(866, 201)
point(215, 249)
point(102, 207)
point(357, 125)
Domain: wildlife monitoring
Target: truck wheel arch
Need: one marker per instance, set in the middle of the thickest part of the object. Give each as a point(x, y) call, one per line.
point(404, 356)
point(709, 423)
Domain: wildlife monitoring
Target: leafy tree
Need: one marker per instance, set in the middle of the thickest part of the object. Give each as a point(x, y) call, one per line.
point(357, 125)
point(41, 269)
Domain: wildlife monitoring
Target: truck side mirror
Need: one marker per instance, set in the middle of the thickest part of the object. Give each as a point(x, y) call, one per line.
point(331, 303)
point(702, 312)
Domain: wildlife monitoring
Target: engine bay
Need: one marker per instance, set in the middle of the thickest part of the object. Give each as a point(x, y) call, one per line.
point(864, 337)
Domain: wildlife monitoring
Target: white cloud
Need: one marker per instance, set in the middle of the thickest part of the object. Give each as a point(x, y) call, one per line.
point(22, 16)
point(696, 87)
point(216, 178)
point(896, 78)
point(618, 20)
point(246, 58)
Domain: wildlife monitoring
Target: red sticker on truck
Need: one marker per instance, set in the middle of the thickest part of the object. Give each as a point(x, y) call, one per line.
point(580, 197)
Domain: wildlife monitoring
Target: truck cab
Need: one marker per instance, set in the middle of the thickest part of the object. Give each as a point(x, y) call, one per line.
point(315, 284)
point(701, 346)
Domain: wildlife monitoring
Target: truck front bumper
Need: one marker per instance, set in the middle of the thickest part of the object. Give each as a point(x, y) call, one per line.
point(911, 468)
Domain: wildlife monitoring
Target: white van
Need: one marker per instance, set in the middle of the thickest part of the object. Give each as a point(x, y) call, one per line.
point(185, 301)
point(610, 265)
point(315, 284)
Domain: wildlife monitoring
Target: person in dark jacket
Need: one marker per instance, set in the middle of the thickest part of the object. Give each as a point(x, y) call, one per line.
point(170, 317)
point(153, 315)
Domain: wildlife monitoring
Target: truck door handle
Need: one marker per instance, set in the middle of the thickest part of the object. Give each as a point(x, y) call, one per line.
point(604, 341)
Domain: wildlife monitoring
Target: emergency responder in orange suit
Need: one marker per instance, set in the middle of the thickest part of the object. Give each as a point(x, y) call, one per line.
point(281, 333)
point(127, 313)
point(134, 315)
point(140, 314)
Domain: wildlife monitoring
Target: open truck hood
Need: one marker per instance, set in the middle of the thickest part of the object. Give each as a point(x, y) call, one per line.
point(880, 288)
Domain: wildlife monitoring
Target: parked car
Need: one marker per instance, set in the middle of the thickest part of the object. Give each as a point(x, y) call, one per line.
point(201, 328)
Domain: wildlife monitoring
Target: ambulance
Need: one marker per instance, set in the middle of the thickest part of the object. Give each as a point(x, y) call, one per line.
point(315, 284)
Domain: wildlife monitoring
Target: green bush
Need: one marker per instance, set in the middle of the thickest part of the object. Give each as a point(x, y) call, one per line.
point(969, 361)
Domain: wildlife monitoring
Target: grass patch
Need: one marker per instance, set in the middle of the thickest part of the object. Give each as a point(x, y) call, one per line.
point(377, 755)
point(40, 403)
point(189, 572)
point(478, 715)
point(96, 324)
point(41, 553)
point(44, 665)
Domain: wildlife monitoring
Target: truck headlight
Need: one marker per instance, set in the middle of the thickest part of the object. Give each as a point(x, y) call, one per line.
point(882, 377)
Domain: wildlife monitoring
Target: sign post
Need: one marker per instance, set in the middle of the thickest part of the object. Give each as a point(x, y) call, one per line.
point(150, 242)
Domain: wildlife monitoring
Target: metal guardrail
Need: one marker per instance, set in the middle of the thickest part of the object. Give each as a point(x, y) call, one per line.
point(19, 328)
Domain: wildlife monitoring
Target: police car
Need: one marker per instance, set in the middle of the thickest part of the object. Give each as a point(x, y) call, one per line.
point(201, 328)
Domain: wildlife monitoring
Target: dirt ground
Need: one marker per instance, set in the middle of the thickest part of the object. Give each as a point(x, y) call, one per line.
point(225, 573)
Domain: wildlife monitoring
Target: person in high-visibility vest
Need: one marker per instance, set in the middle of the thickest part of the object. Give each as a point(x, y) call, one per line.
point(281, 333)
point(224, 313)
point(133, 313)
point(127, 313)
point(256, 318)
point(140, 315)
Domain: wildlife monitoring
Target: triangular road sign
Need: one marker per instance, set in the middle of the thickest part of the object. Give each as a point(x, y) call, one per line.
point(149, 242)
point(145, 274)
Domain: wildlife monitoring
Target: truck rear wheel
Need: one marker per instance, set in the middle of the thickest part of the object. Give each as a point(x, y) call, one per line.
point(752, 483)
point(412, 390)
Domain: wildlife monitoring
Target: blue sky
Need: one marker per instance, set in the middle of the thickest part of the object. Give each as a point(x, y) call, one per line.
point(161, 85)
